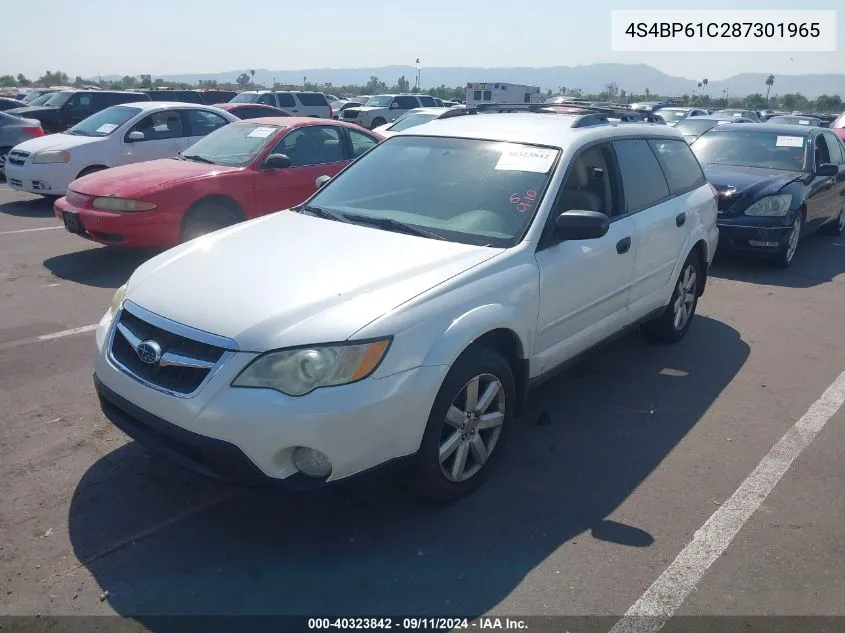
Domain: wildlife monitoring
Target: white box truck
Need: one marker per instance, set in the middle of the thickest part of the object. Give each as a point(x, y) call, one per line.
point(481, 93)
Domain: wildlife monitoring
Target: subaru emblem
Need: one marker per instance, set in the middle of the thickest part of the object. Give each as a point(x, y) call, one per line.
point(149, 352)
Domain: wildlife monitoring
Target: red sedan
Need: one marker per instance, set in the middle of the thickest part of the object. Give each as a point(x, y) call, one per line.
point(238, 172)
point(252, 110)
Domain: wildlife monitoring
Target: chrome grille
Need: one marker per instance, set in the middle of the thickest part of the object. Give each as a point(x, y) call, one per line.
point(188, 357)
point(17, 157)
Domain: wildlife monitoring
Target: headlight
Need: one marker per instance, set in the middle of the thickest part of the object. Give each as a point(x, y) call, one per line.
point(52, 156)
point(117, 300)
point(296, 372)
point(122, 204)
point(773, 206)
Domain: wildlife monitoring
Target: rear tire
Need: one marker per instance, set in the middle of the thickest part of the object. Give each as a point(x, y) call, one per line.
point(468, 426)
point(673, 324)
point(4, 154)
point(377, 122)
point(206, 218)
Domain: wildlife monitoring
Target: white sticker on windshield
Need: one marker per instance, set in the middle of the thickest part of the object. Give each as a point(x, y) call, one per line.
point(107, 128)
point(261, 132)
point(524, 159)
point(790, 141)
point(803, 122)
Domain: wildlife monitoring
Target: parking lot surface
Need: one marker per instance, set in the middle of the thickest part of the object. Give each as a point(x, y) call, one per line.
point(583, 515)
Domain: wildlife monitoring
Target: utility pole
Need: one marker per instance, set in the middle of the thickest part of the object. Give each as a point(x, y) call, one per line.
point(417, 88)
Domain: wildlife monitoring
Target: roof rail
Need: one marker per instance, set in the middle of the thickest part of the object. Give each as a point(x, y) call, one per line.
point(590, 114)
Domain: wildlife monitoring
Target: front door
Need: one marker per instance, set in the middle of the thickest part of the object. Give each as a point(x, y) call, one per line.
point(314, 151)
point(822, 190)
point(165, 134)
point(584, 285)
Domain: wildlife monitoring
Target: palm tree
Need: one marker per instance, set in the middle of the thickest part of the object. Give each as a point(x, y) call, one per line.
point(252, 77)
point(770, 80)
point(704, 83)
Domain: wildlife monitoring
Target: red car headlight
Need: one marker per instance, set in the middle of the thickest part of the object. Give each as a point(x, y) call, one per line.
point(122, 204)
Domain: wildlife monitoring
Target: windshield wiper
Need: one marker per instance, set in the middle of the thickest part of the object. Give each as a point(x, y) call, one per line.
point(77, 133)
point(195, 157)
point(322, 213)
point(393, 225)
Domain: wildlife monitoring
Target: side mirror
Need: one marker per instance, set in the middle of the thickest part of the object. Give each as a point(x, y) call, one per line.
point(581, 225)
point(135, 136)
point(826, 170)
point(276, 161)
point(322, 180)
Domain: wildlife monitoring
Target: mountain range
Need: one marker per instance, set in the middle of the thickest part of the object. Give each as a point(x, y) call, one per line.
point(592, 78)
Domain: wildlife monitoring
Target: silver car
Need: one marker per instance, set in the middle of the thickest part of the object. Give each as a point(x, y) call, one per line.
point(15, 130)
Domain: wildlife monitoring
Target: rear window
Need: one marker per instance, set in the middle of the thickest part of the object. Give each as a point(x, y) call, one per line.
point(428, 102)
point(311, 99)
point(682, 171)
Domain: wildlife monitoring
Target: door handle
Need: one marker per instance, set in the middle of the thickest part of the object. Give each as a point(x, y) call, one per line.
point(680, 219)
point(623, 245)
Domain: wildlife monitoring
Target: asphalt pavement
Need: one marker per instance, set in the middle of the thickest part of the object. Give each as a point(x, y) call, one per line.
point(704, 478)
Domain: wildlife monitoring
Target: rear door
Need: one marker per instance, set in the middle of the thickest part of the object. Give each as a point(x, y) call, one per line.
point(658, 210)
point(285, 101)
point(837, 157)
point(314, 150)
point(80, 106)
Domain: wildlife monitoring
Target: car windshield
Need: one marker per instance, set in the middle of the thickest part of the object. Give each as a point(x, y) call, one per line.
point(105, 122)
point(40, 100)
point(412, 120)
point(795, 120)
point(58, 99)
point(464, 190)
point(769, 150)
point(235, 145)
point(693, 126)
point(379, 102)
point(246, 97)
point(671, 116)
point(32, 95)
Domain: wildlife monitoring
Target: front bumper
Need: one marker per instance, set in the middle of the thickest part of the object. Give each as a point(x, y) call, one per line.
point(249, 435)
point(140, 229)
point(49, 179)
point(754, 234)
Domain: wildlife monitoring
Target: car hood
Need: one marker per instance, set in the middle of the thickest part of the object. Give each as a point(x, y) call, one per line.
point(132, 180)
point(56, 142)
point(31, 110)
point(749, 179)
point(288, 279)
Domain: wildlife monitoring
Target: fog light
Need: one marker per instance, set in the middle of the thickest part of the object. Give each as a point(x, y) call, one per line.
point(764, 244)
point(312, 463)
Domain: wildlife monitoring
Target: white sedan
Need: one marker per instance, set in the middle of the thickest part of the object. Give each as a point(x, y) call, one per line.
point(119, 135)
point(417, 116)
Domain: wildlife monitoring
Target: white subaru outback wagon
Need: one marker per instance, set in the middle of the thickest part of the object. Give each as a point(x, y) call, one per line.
point(407, 307)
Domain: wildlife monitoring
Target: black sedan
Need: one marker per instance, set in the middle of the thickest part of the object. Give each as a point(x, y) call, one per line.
point(8, 104)
point(694, 126)
point(776, 184)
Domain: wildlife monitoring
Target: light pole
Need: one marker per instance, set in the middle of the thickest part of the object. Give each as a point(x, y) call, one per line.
point(417, 88)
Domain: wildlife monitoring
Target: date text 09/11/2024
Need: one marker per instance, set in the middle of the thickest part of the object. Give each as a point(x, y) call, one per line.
point(418, 624)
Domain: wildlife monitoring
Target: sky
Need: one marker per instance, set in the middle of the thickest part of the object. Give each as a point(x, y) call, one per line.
point(160, 37)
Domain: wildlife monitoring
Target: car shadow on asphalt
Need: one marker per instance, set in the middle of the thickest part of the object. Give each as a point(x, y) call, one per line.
point(102, 266)
point(31, 208)
point(819, 260)
point(164, 542)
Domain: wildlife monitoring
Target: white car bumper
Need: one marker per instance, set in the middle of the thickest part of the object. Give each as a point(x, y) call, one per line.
point(51, 179)
point(227, 432)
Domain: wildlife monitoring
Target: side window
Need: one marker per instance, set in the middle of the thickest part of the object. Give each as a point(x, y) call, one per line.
point(253, 113)
point(476, 95)
point(360, 142)
point(682, 171)
point(311, 99)
point(160, 126)
point(267, 99)
point(407, 103)
point(202, 122)
point(822, 152)
point(527, 98)
point(834, 146)
point(286, 100)
point(82, 101)
point(311, 145)
point(643, 180)
point(428, 102)
point(589, 183)
point(488, 95)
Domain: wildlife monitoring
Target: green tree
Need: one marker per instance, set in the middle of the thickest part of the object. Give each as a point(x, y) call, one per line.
point(770, 81)
point(7, 81)
point(756, 101)
point(57, 78)
point(243, 80)
point(403, 85)
point(22, 80)
point(145, 80)
point(375, 85)
point(207, 83)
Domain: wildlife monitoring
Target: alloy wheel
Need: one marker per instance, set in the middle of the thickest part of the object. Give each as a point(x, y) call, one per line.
point(794, 236)
point(685, 300)
point(472, 427)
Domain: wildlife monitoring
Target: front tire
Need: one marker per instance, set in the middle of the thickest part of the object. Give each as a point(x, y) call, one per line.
point(467, 427)
point(90, 170)
point(377, 122)
point(4, 154)
point(783, 258)
point(673, 324)
point(206, 218)
point(835, 228)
